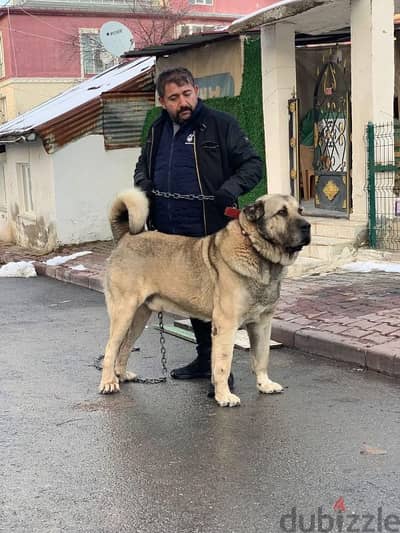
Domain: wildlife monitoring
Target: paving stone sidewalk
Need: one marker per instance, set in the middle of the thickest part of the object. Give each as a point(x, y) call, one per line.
point(345, 316)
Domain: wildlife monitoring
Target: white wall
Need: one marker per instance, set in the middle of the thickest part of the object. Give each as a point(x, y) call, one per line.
point(36, 230)
point(278, 64)
point(87, 179)
point(372, 81)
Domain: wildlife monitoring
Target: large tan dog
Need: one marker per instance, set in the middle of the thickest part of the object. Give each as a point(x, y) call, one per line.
point(232, 278)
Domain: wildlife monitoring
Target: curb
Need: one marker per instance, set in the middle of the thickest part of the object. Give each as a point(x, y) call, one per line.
point(85, 278)
point(383, 358)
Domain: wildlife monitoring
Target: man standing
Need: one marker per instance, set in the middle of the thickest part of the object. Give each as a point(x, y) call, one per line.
point(195, 163)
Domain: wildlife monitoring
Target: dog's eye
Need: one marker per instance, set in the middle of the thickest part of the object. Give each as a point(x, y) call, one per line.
point(300, 210)
point(283, 212)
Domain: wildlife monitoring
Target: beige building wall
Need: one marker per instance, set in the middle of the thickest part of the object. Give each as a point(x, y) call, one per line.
point(37, 228)
point(211, 60)
point(87, 178)
point(71, 190)
point(23, 94)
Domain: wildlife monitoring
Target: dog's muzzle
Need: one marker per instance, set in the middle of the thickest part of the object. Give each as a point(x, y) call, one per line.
point(304, 229)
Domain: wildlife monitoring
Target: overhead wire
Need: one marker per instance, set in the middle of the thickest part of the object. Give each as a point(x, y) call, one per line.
point(45, 22)
point(41, 36)
point(93, 43)
point(12, 41)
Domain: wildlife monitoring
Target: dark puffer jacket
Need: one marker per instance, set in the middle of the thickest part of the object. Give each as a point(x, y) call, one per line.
point(226, 164)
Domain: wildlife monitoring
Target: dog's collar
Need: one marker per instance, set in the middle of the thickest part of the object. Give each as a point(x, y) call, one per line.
point(232, 212)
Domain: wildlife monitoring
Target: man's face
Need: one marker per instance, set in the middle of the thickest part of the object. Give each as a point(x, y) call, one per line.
point(180, 101)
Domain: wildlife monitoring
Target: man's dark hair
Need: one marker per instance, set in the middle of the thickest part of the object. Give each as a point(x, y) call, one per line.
point(179, 75)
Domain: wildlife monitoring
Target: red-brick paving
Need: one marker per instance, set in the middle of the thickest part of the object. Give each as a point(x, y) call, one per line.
point(347, 316)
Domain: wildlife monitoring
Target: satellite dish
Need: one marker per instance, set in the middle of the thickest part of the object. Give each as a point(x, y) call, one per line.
point(116, 38)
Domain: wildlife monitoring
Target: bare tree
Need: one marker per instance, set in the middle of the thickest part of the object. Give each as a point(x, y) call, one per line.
point(159, 20)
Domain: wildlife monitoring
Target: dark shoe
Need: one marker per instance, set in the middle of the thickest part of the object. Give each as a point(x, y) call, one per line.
point(231, 383)
point(198, 369)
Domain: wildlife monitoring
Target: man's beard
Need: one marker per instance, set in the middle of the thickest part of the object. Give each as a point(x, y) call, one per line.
point(178, 118)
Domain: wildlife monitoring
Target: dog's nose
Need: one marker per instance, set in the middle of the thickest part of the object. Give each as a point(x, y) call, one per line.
point(305, 226)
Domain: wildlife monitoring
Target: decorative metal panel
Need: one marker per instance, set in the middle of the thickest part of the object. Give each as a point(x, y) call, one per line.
point(332, 140)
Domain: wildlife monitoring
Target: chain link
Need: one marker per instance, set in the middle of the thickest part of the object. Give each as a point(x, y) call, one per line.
point(178, 196)
point(163, 351)
point(162, 344)
point(98, 362)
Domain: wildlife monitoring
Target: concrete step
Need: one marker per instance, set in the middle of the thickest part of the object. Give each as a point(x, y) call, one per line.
point(305, 266)
point(328, 248)
point(336, 227)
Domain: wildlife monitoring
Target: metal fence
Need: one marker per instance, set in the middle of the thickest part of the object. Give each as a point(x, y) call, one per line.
point(383, 152)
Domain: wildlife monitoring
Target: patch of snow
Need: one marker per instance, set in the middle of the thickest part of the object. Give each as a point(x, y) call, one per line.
point(19, 269)
point(60, 259)
point(78, 267)
point(370, 266)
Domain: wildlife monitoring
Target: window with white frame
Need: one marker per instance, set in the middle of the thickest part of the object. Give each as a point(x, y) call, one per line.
point(2, 71)
point(3, 109)
point(201, 2)
point(189, 29)
point(94, 57)
point(25, 188)
point(3, 195)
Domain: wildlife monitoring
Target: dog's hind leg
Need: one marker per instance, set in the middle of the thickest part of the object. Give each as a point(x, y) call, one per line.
point(259, 336)
point(139, 321)
point(121, 317)
point(223, 335)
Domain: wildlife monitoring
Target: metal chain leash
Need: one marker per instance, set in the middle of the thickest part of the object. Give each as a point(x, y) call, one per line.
point(98, 362)
point(163, 351)
point(178, 196)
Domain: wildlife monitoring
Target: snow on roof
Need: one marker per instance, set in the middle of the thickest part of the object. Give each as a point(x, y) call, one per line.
point(260, 11)
point(285, 9)
point(76, 96)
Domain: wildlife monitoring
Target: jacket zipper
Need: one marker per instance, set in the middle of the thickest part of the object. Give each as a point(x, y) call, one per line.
point(199, 181)
point(171, 151)
point(151, 150)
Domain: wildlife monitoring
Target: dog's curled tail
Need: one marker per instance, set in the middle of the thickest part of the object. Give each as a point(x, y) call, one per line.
point(129, 213)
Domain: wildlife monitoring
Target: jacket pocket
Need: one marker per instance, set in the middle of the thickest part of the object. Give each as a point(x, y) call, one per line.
point(210, 145)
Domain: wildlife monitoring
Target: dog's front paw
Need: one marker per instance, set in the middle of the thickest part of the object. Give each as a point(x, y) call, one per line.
point(108, 387)
point(269, 387)
point(127, 376)
point(227, 400)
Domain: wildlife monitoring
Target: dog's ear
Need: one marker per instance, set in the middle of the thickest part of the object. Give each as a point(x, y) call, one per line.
point(254, 211)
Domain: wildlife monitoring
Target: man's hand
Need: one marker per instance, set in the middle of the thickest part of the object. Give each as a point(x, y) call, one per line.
point(224, 199)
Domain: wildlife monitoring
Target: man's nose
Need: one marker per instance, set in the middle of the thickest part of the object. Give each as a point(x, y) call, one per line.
point(182, 100)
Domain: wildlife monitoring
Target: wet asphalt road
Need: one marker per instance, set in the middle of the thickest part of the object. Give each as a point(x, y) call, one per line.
point(164, 458)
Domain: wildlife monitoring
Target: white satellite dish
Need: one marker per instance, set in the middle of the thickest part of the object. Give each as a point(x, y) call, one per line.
point(116, 38)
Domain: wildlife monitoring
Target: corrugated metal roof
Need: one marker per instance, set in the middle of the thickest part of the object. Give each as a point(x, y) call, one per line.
point(78, 110)
point(177, 45)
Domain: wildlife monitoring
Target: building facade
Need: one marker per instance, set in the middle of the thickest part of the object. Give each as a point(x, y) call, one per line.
point(47, 46)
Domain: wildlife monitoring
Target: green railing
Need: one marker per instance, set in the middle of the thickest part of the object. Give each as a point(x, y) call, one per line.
point(383, 185)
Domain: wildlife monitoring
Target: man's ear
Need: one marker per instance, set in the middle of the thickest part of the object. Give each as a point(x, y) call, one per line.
point(254, 211)
point(161, 99)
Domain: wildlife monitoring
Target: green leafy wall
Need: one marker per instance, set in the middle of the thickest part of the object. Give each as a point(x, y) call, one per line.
point(247, 108)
